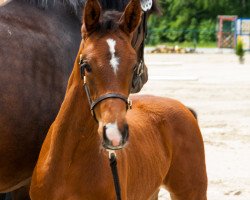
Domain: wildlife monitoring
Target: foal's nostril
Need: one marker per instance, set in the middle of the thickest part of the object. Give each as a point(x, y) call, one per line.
point(125, 133)
point(105, 135)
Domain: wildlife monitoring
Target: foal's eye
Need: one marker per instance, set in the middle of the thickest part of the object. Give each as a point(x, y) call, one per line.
point(88, 67)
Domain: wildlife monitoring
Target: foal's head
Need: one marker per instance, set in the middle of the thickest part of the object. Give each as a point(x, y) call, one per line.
point(109, 61)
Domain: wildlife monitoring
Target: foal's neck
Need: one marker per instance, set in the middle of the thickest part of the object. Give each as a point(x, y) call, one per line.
point(74, 119)
point(73, 137)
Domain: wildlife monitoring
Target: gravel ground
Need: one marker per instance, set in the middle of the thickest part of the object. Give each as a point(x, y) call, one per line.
point(218, 88)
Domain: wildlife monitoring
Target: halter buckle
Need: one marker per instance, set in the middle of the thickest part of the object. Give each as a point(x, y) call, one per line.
point(84, 80)
point(111, 152)
point(140, 69)
point(92, 113)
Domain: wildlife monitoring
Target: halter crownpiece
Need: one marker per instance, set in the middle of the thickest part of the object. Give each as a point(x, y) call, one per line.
point(146, 5)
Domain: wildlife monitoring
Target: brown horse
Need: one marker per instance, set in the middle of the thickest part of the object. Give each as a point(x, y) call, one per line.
point(38, 44)
point(164, 147)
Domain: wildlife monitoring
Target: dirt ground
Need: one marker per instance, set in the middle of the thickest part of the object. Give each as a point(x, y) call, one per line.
point(218, 88)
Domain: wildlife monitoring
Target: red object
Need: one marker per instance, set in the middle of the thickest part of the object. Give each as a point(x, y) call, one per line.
point(226, 38)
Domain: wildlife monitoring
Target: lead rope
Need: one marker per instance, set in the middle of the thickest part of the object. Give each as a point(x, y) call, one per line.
point(113, 166)
point(112, 155)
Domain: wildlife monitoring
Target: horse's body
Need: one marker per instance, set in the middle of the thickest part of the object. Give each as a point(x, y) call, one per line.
point(37, 50)
point(165, 146)
point(38, 44)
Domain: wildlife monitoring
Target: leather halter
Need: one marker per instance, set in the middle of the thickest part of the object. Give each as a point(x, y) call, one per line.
point(93, 103)
point(138, 71)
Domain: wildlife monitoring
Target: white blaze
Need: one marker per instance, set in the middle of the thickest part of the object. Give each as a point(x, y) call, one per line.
point(114, 61)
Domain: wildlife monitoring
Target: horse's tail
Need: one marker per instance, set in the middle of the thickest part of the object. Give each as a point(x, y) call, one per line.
point(193, 112)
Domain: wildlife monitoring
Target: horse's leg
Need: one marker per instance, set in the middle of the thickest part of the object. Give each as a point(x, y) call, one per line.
point(21, 193)
point(187, 187)
point(189, 195)
point(155, 195)
point(2, 196)
point(6, 196)
point(187, 177)
point(191, 185)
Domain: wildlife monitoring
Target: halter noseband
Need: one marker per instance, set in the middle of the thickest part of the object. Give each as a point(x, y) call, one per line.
point(92, 103)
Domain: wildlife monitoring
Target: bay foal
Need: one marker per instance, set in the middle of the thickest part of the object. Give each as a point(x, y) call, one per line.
point(159, 139)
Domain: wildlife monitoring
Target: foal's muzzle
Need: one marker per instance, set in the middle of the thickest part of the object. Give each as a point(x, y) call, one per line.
point(115, 139)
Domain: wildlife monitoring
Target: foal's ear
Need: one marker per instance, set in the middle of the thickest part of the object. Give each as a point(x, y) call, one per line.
point(91, 16)
point(131, 16)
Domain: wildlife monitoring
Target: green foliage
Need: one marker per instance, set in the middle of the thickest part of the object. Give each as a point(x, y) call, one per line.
point(191, 44)
point(192, 20)
point(240, 50)
point(207, 30)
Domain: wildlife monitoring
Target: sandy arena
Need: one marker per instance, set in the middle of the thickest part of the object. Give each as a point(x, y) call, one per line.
point(218, 88)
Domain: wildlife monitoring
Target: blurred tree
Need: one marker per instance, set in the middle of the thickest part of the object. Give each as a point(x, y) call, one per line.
point(188, 20)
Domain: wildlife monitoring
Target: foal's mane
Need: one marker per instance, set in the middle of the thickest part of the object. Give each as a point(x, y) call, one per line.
point(76, 5)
